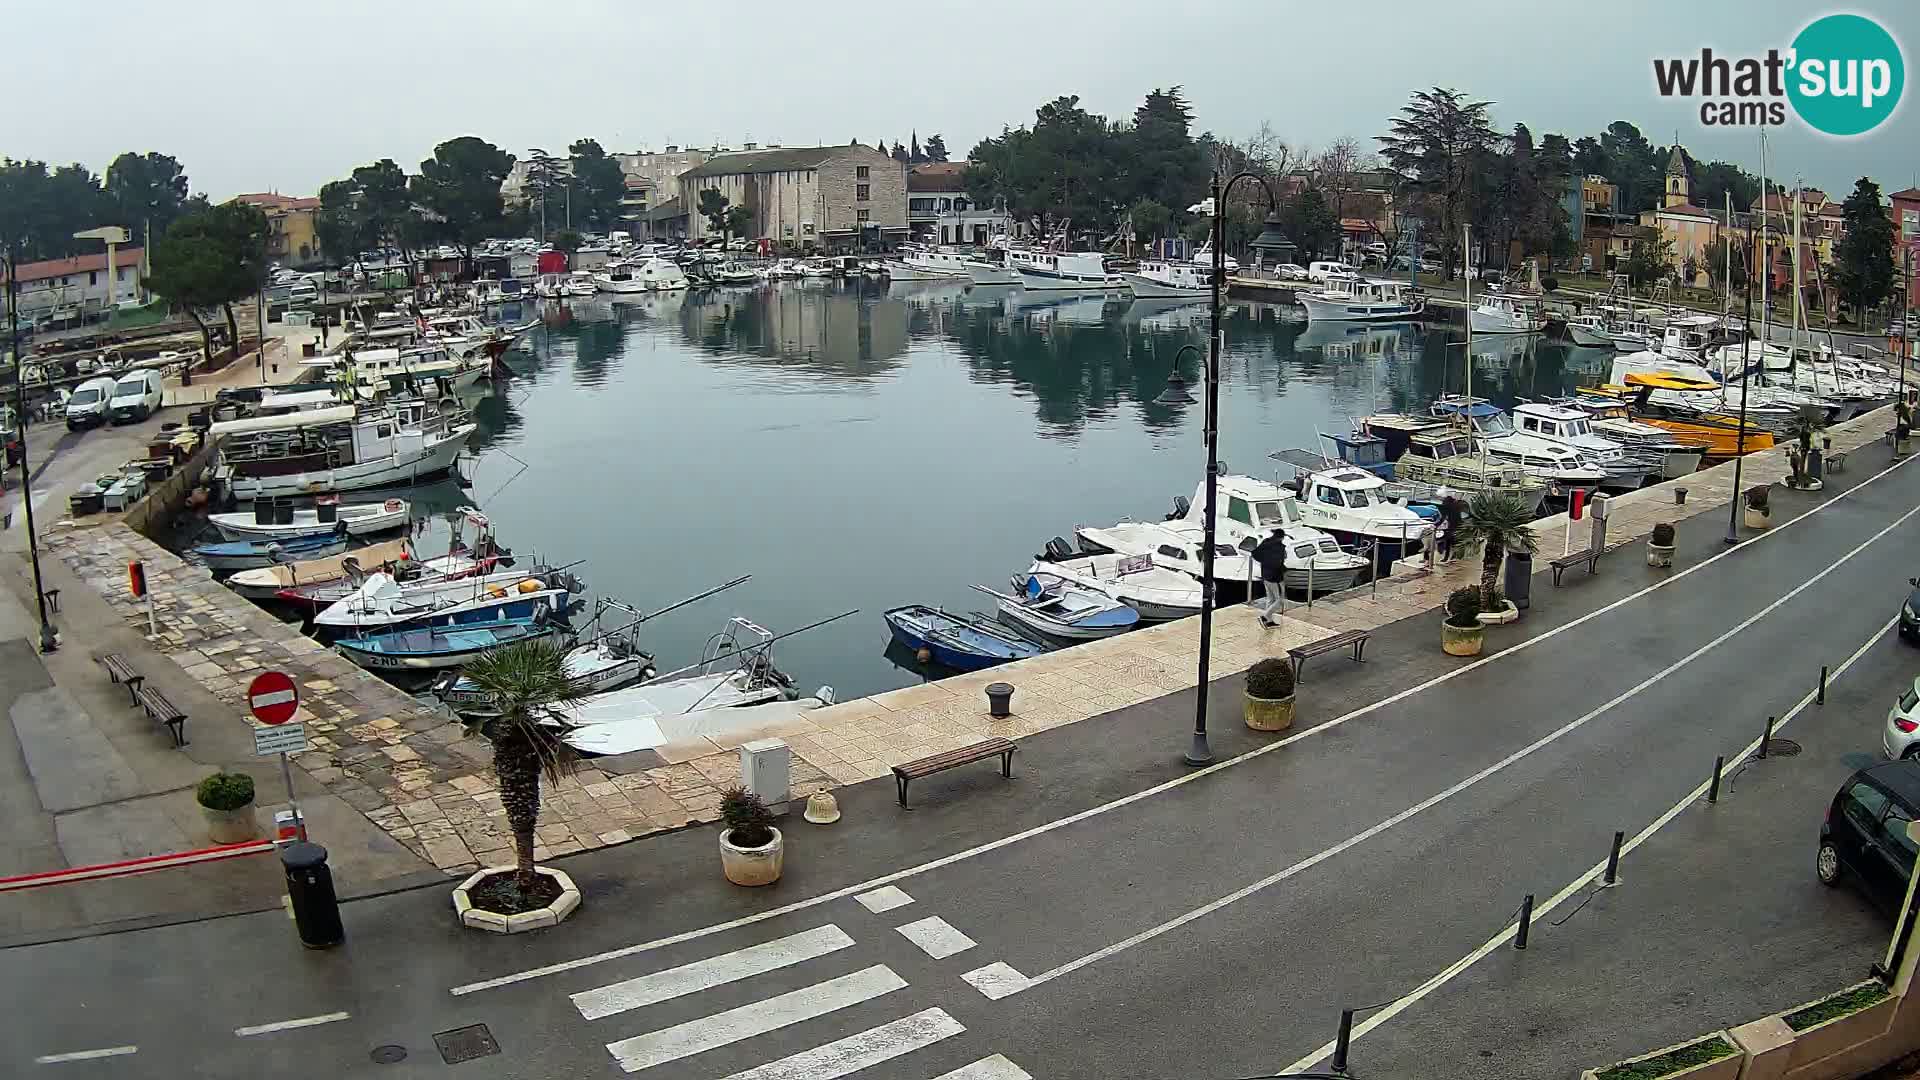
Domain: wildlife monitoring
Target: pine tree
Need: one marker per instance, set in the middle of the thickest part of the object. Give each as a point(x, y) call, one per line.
point(913, 152)
point(1863, 263)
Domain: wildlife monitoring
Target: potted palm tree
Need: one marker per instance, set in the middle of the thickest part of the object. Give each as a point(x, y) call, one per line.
point(751, 849)
point(530, 689)
point(226, 801)
point(1460, 632)
point(1270, 694)
point(1660, 546)
point(1757, 515)
point(1499, 524)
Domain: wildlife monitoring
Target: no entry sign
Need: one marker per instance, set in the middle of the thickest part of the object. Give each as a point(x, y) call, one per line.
point(272, 698)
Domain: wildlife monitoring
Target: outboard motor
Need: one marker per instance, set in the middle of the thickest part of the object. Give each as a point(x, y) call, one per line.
point(1058, 550)
point(1181, 504)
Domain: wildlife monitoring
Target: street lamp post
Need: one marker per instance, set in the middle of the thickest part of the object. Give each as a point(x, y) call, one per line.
point(1746, 376)
point(49, 637)
point(1199, 753)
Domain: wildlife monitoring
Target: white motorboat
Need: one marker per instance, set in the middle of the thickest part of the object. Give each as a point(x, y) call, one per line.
point(1589, 331)
point(628, 729)
point(1058, 608)
point(266, 582)
point(784, 268)
point(339, 449)
point(550, 286)
point(1157, 594)
point(593, 667)
point(1573, 428)
point(371, 368)
point(1072, 271)
point(985, 272)
point(1358, 507)
point(1562, 468)
point(579, 284)
point(358, 519)
point(815, 268)
point(1254, 509)
point(619, 278)
point(1169, 280)
point(646, 275)
point(1612, 419)
point(380, 601)
point(924, 264)
point(1497, 313)
point(1431, 454)
point(1346, 298)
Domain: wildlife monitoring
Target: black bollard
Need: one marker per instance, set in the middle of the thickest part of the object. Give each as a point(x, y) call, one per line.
point(1822, 699)
point(1713, 792)
point(1613, 862)
point(316, 911)
point(1765, 738)
point(1526, 922)
point(1342, 1041)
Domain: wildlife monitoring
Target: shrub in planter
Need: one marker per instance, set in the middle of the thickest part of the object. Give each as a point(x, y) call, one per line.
point(226, 801)
point(1269, 704)
point(1660, 546)
point(1460, 632)
point(1758, 512)
point(751, 849)
point(1680, 1060)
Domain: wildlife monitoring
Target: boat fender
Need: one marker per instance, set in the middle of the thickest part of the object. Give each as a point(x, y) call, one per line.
point(497, 592)
point(530, 585)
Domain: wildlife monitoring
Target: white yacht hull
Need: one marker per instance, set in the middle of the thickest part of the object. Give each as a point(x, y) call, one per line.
point(376, 519)
point(1494, 322)
point(621, 287)
point(899, 271)
point(1321, 309)
point(989, 274)
point(434, 457)
point(1588, 338)
point(1147, 288)
point(1039, 282)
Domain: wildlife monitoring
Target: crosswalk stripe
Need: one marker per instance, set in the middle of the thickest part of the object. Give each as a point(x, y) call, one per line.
point(936, 937)
point(885, 898)
point(707, 1033)
point(996, 1067)
point(856, 1052)
point(711, 972)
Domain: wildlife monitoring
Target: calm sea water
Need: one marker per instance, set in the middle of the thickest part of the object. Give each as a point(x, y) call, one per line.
point(865, 446)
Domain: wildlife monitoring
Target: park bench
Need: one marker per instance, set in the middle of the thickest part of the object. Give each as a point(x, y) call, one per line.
point(163, 712)
point(953, 759)
point(1357, 639)
point(1566, 562)
point(122, 672)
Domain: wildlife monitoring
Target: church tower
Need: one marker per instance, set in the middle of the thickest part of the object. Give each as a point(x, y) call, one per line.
point(1679, 189)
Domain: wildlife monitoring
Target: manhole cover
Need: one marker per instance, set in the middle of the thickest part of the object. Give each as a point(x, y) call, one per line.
point(388, 1054)
point(1782, 748)
point(465, 1044)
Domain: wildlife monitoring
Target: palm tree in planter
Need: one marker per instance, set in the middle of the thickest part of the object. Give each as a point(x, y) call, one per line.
point(1269, 705)
point(529, 684)
point(1499, 523)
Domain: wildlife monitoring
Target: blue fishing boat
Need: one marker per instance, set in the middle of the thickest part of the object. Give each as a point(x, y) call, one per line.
point(957, 641)
point(249, 554)
point(433, 647)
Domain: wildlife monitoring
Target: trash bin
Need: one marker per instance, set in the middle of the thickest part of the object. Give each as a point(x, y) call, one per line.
point(1519, 581)
point(316, 912)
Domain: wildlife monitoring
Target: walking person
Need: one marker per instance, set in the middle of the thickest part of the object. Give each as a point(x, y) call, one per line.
point(1449, 527)
point(1271, 554)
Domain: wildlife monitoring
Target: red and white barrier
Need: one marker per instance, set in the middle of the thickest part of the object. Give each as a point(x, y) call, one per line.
point(135, 866)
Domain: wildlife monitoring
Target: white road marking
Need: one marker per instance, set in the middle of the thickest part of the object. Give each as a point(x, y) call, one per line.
point(1574, 887)
point(1158, 789)
point(711, 972)
point(1439, 797)
point(288, 1025)
point(996, 980)
point(856, 1052)
point(709, 1032)
point(936, 937)
point(86, 1055)
point(884, 899)
point(996, 1067)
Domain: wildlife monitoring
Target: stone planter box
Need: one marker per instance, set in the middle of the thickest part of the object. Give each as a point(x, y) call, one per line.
point(1507, 613)
point(1269, 714)
point(1461, 640)
point(551, 915)
point(231, 826)
point(1659, 556)
point(1756, 519)
point(1723, 1068)
point(752, 866)
point(1840, 1034)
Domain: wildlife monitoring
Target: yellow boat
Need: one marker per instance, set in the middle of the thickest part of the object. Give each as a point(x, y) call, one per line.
point(1718, 433)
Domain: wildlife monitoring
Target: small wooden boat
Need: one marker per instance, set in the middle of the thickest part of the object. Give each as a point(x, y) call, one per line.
point(359, 519)
point(320, 595)
point(267, 581)
point(430, 648)
point(249, 554)
point(1056, 607)
point(960, 642)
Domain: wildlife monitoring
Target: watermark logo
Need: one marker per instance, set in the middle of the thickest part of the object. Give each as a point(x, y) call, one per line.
point(1843, 75)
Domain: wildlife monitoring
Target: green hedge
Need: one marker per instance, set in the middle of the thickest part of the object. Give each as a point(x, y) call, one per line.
point(1685, 1057)
point(1850, 1001)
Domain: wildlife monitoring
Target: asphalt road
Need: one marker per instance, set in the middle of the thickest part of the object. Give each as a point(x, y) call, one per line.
point(1110, 915)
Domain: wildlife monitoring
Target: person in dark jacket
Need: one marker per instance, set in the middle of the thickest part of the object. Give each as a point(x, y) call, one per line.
point(1271, 554)
point(1450, 509)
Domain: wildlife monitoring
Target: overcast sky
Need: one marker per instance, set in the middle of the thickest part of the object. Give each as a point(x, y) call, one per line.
point(252, 96)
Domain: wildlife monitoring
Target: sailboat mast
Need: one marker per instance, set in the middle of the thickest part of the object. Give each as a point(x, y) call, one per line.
point(1766, 258)
point(1466, 246)
point(1726, 277)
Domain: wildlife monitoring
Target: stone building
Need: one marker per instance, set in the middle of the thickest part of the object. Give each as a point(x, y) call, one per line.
point(822, 197)
point(1689, 228)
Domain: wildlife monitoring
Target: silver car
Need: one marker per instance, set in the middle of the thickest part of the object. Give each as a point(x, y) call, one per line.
point(1902, 739)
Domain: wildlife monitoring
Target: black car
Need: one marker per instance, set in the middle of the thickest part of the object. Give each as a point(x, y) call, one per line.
point(1865, 833)
point(1910, 612)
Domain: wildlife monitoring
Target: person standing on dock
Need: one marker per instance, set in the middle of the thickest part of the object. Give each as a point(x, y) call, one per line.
point(1271, 554)
point(1449, 526)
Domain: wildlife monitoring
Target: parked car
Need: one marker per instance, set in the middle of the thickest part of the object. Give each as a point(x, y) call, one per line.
point(1910, 612)
point(136, 396)
point(1865, 834)
point(88, 404)
point(1320, 271)
point(1291, 272)
point(1902, 737)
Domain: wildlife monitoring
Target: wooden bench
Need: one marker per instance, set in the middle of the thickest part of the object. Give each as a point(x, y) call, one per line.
point(952, 759)
point(122, 672)
point(163, 712)
point(1567, 562)
point(1300, 654)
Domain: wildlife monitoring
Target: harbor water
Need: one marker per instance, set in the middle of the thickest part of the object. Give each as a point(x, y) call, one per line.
point(860, 445)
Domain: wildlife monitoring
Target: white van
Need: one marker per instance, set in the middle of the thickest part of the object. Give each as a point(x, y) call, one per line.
point(1319, 272)
point(88, 404)
point(136, 396)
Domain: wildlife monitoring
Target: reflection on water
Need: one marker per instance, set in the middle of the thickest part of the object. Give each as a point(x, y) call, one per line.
point(872, 445)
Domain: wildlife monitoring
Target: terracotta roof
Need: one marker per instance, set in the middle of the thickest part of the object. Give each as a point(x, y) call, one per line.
point(1683, 210)
point(1912, 194)
point(938, 176)
point(79, 264)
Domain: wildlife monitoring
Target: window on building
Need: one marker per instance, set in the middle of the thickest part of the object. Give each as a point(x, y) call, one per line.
point(865, 214)
point(808, 227)
point(862, 192)
point(861, 172)
point(93, 277)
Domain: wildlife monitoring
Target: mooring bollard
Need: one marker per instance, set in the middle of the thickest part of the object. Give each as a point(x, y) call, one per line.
point(1613, 863)
point(1679, 496)
point(999, 700)
point(1765, 738)
point(1822, 698)
point(1526, 921)
point(1342, 1041)
point(1713, 791)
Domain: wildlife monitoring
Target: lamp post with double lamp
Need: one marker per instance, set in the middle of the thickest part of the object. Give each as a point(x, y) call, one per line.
point(1199, 753)
point(49, 637)
point(1746, 376)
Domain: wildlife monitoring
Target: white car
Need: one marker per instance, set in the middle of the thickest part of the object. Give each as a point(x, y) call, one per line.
point(87, 405)
point(1319, 272)
point(136, 396)
point(1902, 739)
point(1291, 272)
